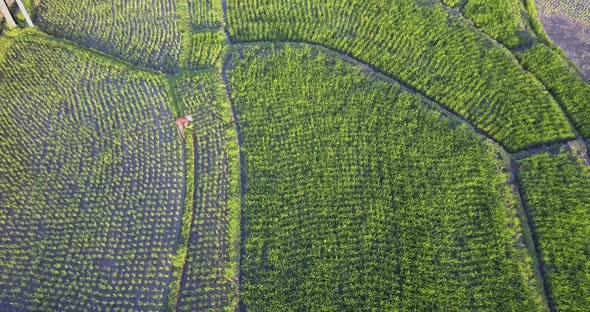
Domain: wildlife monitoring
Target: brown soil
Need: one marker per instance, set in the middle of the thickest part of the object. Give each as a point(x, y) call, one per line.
point(572, 37)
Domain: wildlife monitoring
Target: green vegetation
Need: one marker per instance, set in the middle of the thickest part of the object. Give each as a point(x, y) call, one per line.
point(210, 276)
point(503, 20)
point(562, 81)
point(359, 198)
point(163, 35)
point(542, 59)
point(557, 191)
point(425, 47)
point(90, 180)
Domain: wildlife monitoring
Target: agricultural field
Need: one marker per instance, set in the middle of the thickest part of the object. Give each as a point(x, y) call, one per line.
point(375, 211)
point(168, 35)
point(514, 25)
point(557, 191)
point(424, 46)
point(341, 155)
point(90, 185)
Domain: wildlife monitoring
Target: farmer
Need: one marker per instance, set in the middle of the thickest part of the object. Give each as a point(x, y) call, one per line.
point(182, 123)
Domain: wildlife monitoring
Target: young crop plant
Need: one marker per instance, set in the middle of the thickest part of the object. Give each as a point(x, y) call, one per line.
point(556, 190)
point(425, 46)
point(210, 270)
point(90, 180)
point(361, 198)
point(166, 35)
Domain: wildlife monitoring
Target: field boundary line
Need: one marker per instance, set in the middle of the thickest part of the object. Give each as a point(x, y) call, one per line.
point(530, 235)
point(243, 180)
point(375, 72)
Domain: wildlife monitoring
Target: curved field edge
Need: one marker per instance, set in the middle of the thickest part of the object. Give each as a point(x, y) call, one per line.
point(101, 147)
point(536, 54)
point(250, 61)
point(487, 108)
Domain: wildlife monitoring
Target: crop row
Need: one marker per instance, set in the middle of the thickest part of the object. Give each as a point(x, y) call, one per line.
point(158, 35)
point(361, 199)
point(423, 46)
point(90, 181)
point(556, 189)
point(209, 280)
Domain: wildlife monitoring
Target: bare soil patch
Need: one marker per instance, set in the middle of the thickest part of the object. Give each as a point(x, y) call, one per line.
point(571, 36)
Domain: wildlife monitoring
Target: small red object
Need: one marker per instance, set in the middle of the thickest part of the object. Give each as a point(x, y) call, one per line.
point(182, 123)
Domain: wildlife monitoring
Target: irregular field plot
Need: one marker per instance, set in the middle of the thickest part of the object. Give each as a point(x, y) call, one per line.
point(557, 191)
point(167, 35)
point(425, 47)
point(359, 198)
point(210, 275)
point(90, 181)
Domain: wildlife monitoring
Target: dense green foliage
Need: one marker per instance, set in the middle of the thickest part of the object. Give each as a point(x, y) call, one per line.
point(90, 180)
point(424, 46)
point(503, 20)
point(547, 64)
point(209, 279)
point(359, 198)
point(557, 191)
point(562, 81)
point(167, 35)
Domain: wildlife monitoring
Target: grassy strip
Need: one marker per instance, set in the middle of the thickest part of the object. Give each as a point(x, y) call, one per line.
point(187, 219)
point(234, 206)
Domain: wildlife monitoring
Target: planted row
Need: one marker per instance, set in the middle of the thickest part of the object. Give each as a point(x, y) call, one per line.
point(90, 181)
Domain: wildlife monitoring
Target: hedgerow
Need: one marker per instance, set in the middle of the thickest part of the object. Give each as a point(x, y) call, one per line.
point(361, 199)
point(425, 47)
point(158, 35)
point(90, 180)
point(209, 280)
point(557, 191)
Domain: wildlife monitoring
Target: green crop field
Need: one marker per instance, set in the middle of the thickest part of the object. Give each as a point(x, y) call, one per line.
point(340, 155)
point(557, 191)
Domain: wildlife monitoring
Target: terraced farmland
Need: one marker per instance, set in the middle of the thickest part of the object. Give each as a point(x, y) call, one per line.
point(401, 155)
point(387, 206)
point(422, 45)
